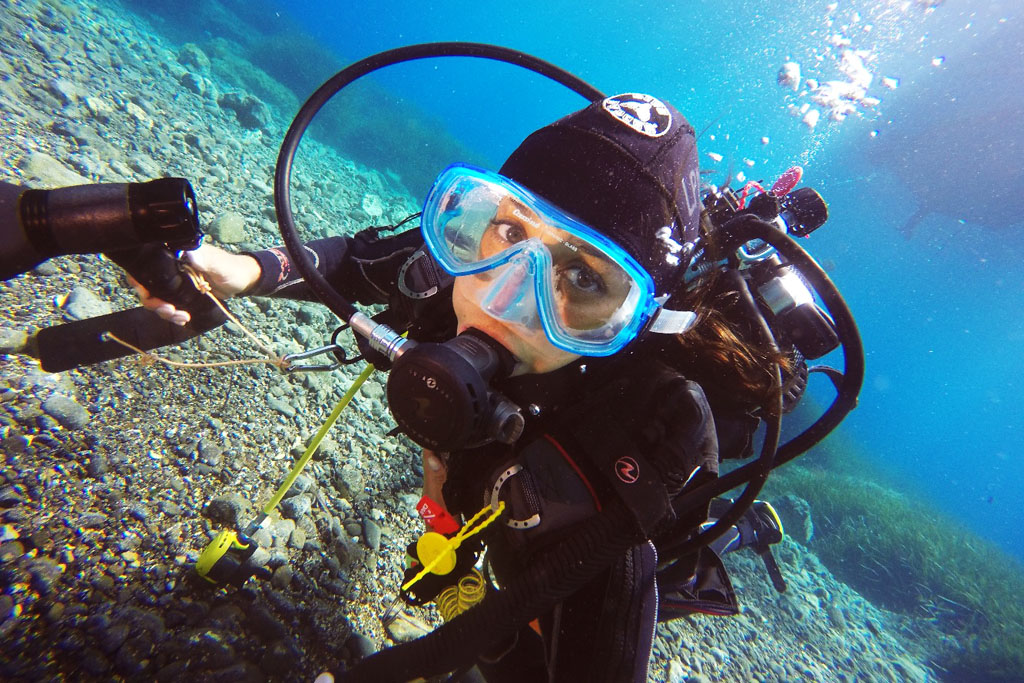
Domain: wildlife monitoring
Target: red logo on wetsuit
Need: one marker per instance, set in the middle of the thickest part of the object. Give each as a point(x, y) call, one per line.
point(284, 262)
point(627, 470)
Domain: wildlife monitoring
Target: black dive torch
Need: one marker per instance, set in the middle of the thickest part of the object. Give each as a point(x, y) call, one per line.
point(139, 226)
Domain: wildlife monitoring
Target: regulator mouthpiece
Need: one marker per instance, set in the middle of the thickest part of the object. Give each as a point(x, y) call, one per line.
point(440, 396)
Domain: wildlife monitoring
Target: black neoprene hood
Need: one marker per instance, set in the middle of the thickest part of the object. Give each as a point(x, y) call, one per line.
point(627, 166)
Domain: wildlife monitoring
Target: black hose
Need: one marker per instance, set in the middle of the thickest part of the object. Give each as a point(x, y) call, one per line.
point(553, 577)
point(282, 174)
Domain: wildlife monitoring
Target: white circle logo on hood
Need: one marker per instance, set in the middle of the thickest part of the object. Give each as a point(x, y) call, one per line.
point(645, 114)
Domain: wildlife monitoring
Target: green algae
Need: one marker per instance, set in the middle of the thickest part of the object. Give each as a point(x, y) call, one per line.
point(915, 560)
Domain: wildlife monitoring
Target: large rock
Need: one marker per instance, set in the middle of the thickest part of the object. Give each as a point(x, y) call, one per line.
point(250, 111)
point(68, 412)
point(228, 229)
point(82, 304)
point(192, 55)
point(48, 171)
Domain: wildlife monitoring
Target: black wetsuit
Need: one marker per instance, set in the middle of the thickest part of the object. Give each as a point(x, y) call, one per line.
point(626, 415)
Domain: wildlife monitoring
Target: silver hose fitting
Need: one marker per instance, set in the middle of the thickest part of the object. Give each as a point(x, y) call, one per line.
point(382, 338)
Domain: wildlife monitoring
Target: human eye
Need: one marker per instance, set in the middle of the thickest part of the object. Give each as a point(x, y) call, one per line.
point(582, 278)
point(508, 231)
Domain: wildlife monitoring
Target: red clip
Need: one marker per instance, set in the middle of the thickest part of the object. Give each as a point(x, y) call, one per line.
point(436, 517)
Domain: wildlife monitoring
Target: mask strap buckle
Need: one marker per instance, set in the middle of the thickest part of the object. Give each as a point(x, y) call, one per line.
point(667, 321)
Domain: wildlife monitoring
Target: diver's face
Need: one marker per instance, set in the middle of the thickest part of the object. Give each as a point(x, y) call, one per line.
point(587, 289)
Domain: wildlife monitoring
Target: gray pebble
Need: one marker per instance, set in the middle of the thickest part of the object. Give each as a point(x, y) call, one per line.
point(46, 269)
point(45, 574)
point(281, 406)
point(349, 481)
point(406, 628)
point(55, 612)
point(277, 558)
point(98, 466)
point(15, 444)
point(263, 538)
point(282, 577)
point(231, 510)
point(92, 520)
point(295, 508)
point(373, 390)
point(47, 424)
point(298, 538)
point(170, 508)
point(210, 648)
point(249, 110)
point(10, 496)
point(676, 672)
point(82, 304)
point(67, 411)
point(93, 662)
point(129, 543)
point(228, 229)
point(175, 671)
point(12, 341)
point(301, 484)
point(281, 659)
point(264, 624)
point(9, 551)
point(360, 646)
point(835, 616)
point(371, 533)
point(139, 512)
point(282, 528)
point(112, 637)
point(337, 531)
point(193, 83)
point(210, 453)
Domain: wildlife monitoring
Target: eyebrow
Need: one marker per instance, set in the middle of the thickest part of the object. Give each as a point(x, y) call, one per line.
point(573, 241)
point(585, 247)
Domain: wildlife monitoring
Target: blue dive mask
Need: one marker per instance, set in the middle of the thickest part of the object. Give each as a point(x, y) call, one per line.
point(537, 267)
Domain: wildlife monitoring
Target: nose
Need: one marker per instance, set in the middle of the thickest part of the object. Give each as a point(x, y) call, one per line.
point(511, 297)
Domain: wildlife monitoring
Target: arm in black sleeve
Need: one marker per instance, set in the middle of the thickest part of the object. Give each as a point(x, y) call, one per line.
point(363, 268)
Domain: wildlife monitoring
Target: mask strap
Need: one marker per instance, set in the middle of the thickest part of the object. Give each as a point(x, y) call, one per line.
point(671, 322)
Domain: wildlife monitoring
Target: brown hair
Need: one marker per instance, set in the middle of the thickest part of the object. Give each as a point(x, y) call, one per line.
point(724, 352)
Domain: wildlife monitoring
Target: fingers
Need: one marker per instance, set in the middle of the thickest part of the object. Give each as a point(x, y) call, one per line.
point(434, 475)
point(163, 309)
point(171, 314)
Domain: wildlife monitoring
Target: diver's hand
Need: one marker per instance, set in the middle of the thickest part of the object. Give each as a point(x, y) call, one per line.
point(435, 473)
point(228, 274)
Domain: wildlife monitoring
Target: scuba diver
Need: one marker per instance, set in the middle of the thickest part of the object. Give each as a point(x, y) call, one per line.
point(637, 374)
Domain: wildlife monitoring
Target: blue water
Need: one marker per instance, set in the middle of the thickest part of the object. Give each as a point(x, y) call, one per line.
point(939, 311)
